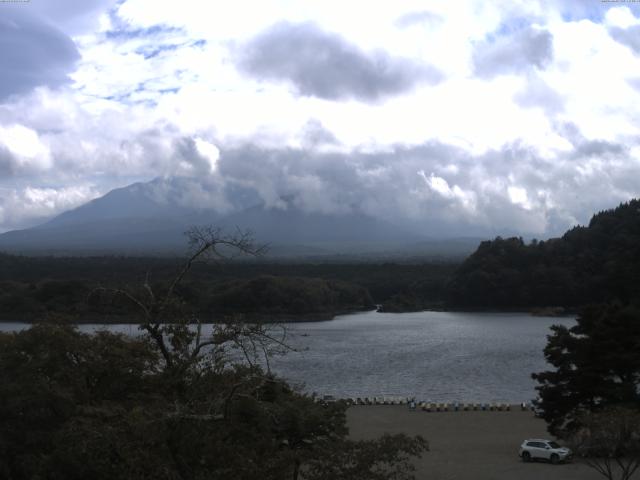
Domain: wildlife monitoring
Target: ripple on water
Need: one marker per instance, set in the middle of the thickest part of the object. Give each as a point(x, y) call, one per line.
point(437, 356)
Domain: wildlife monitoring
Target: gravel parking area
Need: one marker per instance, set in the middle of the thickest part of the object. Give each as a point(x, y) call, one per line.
point(470, 445)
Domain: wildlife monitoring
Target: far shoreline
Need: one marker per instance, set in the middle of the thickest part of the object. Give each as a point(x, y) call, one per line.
point(283, 318)
point(247, 317)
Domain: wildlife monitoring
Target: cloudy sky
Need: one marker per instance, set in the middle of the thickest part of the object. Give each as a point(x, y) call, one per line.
point(458, 117)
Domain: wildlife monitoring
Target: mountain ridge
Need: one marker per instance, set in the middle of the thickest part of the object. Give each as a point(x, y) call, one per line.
point(136, 219)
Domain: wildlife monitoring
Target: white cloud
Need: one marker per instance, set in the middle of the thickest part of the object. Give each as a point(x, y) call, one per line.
point(518, 196)
point(621, 17)
point(209, 151)
point(535, 99)
point(19, 207)
point(25, 145)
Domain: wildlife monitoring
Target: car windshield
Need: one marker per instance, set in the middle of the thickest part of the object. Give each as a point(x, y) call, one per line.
point(554, 445)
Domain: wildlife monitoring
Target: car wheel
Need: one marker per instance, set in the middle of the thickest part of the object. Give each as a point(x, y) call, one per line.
point(526, 457)
point(555, 459)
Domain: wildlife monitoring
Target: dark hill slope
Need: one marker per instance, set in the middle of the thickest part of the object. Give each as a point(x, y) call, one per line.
point(596, 263)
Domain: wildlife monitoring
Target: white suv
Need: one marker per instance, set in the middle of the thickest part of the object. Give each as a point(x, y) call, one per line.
point(545, 449)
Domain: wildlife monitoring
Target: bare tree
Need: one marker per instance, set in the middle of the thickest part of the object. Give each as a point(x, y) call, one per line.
point(609, 441)
point(177, 333)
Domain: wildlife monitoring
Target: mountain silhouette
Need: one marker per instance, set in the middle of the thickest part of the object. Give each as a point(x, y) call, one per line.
point(151, 218)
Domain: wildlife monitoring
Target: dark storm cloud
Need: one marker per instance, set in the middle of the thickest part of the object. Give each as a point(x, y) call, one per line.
point(32, 53)
point(325, 65)
point(629, 37)
point(513, 53)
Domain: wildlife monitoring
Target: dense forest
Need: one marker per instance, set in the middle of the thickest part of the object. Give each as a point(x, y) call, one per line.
point(596, 263)
point(37, 288)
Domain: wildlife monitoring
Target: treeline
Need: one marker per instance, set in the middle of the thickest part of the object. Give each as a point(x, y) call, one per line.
point(266, 296)
point(383, 280)
point(281, 296)
point(36, 288)
point(597, 263)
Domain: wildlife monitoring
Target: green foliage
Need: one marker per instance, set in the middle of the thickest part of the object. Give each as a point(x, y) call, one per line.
point(104, 406)
point(597, 365)
point(49, 376)
point(597, 263)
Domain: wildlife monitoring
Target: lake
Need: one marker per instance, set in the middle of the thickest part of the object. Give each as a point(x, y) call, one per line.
point(434, 356)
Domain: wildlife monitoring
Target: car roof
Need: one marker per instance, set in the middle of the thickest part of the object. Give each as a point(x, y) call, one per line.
point(536, 440)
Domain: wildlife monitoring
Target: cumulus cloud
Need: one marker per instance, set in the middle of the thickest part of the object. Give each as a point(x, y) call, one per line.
point(195, 157)
point(327, 66)
point(635, 83)
point(21, 151)
point(422, 17)
point(538, 94)
point(73, 16)
point(520, 136)
point(21, 207)
point(442, 188)
point(629, 36)
point(314, 134)
point(600, 149)
point(517, 52)
point(34, 53)
point(578, 10)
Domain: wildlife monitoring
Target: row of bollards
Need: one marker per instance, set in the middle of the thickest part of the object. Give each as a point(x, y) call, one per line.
point(465, 407)
point(380, 401)
point(431, 406)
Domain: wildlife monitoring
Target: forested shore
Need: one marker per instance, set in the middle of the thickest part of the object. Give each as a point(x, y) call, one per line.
point(39, 288)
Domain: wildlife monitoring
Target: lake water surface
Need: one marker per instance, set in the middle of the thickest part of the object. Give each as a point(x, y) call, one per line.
point(438, 356)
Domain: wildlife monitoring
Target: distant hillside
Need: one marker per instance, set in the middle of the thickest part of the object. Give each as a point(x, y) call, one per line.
point(596, 263)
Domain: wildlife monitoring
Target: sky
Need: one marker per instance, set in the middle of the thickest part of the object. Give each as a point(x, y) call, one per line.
point(471, 117)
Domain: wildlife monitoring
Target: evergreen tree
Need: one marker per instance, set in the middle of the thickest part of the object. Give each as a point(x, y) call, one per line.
point(597, 365)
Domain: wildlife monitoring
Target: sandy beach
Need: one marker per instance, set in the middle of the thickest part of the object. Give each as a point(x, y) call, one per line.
point(470, 445)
